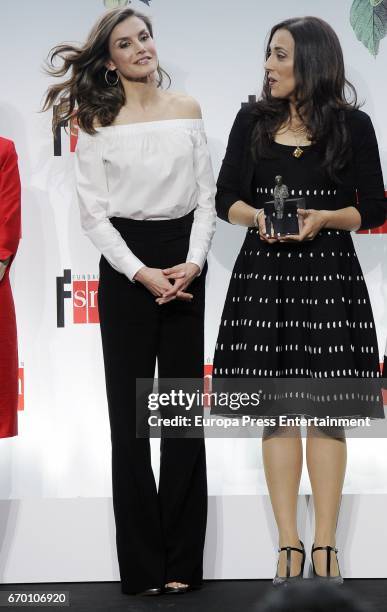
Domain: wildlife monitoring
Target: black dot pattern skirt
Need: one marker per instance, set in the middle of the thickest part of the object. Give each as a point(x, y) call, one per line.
point(299, 310)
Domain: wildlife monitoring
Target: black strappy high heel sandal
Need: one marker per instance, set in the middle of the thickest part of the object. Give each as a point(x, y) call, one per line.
point(328, 578)
point(285, 580)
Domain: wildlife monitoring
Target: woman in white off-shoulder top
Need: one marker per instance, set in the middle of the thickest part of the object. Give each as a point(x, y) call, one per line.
point(146, 194)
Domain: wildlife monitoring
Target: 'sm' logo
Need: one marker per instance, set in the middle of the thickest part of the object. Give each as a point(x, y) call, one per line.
point(84, 294)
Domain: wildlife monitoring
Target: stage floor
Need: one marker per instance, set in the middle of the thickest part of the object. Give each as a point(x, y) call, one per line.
point(215, 596)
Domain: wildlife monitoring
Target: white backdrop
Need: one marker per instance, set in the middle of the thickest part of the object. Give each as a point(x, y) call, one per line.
point(213, 51)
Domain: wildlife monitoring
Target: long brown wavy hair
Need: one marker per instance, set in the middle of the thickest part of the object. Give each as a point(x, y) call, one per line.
point(86, 93)
point(321, 94)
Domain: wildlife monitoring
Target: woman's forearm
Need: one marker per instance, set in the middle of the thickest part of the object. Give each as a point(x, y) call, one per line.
point(347, 218)
point(241, 213)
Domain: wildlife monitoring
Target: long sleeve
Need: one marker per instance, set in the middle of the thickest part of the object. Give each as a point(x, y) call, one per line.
point(367, 172)
point(9, 200)
point(230, 180)
point(204, 223)
point(93, 199)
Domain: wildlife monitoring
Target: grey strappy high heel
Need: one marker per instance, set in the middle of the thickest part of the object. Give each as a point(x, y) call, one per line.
point(285, 580)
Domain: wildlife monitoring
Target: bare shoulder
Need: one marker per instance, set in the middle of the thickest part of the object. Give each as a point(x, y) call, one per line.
point(183, 106)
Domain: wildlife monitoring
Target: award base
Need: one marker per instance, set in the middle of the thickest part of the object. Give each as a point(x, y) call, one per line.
point(290, 223)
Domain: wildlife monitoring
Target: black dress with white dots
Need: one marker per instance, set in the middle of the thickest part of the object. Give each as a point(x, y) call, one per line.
point(296, 309)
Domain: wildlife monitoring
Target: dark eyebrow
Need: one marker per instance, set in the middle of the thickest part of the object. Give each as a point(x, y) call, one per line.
point(280, 49)
point(144, 31)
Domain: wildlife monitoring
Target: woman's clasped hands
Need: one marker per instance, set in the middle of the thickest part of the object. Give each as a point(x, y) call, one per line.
point(169, 284)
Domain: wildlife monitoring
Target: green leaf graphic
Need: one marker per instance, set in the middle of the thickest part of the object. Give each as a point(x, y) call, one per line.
point(369, 22)
point(117, 3)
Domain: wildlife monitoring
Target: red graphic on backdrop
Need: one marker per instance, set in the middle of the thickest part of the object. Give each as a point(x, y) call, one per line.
point(376, 230)
point(20, 404)
point(382, 229)
point(85, 307)
point(208, 367)
point(70, 128)
point(73, 134)
point(82, 290)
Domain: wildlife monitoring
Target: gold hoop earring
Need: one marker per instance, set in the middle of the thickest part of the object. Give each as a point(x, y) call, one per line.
point(110, 83)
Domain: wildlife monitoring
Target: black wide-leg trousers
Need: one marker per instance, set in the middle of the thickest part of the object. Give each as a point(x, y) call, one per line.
point(159, 533)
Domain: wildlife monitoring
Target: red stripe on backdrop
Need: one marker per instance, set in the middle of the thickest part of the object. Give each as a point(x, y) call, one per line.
point(73, 134)
point(20, 404)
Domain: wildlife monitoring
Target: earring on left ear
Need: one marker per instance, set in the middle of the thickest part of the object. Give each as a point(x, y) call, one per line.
point(111, 83)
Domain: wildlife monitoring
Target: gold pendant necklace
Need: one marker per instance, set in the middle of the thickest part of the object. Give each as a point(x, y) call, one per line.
point(298, 136)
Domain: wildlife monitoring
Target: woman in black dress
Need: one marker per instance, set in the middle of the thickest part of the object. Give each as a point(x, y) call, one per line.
point(298, 306)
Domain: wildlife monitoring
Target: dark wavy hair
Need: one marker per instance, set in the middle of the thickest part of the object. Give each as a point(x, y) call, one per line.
point(321, 94)
point(86, 93)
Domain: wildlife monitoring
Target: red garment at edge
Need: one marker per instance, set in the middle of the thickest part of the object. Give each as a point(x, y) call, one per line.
point(9, 240)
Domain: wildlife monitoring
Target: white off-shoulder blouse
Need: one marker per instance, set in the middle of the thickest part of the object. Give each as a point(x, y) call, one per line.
point(146, 171)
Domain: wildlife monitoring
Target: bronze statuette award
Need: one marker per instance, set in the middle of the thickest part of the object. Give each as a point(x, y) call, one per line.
point(281, 215)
